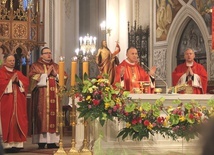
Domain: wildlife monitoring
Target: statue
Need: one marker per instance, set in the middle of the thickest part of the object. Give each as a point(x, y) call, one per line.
point(107, 61)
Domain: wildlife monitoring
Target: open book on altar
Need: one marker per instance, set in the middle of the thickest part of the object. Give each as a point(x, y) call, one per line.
point(183, 89)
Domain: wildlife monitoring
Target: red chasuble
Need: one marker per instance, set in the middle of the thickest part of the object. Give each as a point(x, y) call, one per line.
point(213, 28)
point(197, 69)
point(13, 107)
point(44, 99)
point(133, 74)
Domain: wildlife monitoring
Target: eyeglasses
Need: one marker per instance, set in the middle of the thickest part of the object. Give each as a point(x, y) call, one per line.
point(47, 53)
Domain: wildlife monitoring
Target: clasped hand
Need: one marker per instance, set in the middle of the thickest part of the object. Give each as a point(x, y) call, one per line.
point(52, 71)
point(189, 71)
point(15, 78)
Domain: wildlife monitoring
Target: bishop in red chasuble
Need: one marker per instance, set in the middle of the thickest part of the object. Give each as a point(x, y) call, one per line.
point(130, 73)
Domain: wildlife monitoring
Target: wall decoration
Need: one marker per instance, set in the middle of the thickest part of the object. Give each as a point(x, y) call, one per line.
point(165, 13)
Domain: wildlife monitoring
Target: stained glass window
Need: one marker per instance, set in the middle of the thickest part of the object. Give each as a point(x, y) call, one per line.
point(25, 3)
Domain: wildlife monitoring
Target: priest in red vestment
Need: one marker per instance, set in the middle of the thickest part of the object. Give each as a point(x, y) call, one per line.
point(191, 73)
point(13, 108)
point(44, 87)
point(130, 73)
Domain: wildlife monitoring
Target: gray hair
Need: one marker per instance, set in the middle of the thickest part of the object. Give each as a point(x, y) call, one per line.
point(7, 55)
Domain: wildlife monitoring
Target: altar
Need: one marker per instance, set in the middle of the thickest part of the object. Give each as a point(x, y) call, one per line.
point(105, 138)
point(200, 98)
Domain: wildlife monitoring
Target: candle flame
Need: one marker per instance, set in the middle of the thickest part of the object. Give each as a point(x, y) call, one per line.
point(61, 58)
point(85, 58)
point(74, 58)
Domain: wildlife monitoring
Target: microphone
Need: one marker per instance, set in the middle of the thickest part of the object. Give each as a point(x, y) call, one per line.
point(166, 85)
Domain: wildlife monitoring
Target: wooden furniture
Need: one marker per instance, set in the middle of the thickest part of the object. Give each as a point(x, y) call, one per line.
point(21, 30)
point(139, 38)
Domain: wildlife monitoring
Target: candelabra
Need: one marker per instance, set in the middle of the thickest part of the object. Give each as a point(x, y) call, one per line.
point(87, 48)
point(86, 54)
point(88, 44)
point(73, 150)
point(61, 93)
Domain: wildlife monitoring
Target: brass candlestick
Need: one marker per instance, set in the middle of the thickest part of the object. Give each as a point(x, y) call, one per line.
point(73, 123)
point(60, 151)
point(85, 150)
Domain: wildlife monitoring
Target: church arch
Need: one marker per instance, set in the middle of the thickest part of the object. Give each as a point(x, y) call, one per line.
point(180, 22)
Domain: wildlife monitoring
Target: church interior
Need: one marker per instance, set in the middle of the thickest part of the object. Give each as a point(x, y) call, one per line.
point(160, 30)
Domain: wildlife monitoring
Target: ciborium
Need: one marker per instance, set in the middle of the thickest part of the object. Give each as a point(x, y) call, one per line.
point(145, 86)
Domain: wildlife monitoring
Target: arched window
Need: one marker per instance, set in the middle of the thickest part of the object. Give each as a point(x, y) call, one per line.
point(192, 38)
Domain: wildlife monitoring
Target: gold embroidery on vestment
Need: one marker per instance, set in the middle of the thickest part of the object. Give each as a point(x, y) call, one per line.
point(52, 89)
point(52, 125)
point(52, 101)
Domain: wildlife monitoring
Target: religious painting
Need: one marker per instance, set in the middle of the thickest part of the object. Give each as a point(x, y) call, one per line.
point(203, 7)
point(166, 11)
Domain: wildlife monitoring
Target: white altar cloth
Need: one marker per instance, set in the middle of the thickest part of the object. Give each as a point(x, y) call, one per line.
point(155, 144)
point(200, 98)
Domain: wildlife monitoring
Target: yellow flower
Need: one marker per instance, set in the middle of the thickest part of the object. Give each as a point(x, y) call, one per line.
point(182, 118)
point(107, 88)
point(128, 125)
point(204, 107)
point(143, 115)
point(141, 109)
point(150, 126)
point(88, 97)
point(165, 123)
point(117, 100)
point(212, 114)
point(90, 90)
point(170, 108)
point(107, 105)
point(167, 117)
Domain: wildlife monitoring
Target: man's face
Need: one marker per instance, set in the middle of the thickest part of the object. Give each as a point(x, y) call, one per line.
point(104, 44)
point(46, 55)
point(132, 55)
point(189, 55)
point(10, 61)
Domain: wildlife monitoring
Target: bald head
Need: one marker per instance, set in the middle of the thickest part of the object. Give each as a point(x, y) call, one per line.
point(189, 55)
point(9, 61)
point(132, 55)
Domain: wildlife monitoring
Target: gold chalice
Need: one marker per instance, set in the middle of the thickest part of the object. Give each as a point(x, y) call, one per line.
point(158, 90)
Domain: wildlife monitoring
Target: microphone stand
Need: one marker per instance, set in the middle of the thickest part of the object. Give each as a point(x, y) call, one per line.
point(166, 85)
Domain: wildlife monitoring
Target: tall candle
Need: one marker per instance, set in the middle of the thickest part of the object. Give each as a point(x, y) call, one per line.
point(61, 71)
point(85, 66)
point(73, 70)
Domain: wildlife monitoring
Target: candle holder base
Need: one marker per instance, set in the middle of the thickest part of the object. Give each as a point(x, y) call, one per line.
point(60, 151)
point(85, 152)
point(73, 151)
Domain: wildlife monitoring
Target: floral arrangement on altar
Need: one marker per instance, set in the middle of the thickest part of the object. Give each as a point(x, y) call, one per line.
point(142, 119)
point(185, 119)
point(98, 99)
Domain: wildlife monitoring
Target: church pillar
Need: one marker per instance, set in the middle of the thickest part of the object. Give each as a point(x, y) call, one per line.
point(118, 13)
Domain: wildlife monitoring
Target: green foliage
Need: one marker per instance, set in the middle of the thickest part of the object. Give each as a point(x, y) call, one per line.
point(100, 100)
